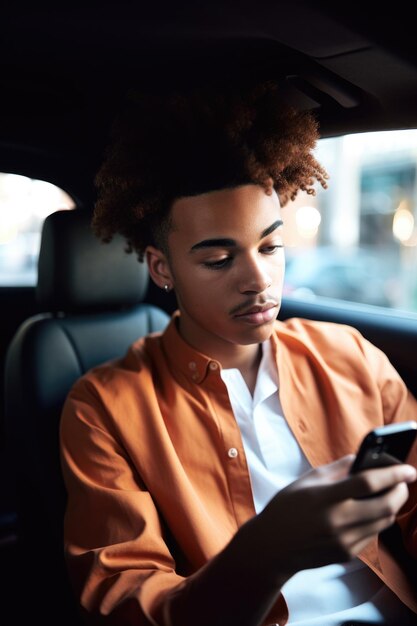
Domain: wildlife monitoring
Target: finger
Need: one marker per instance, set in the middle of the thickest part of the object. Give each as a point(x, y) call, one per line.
point(354, 512)
point(324, 475)
point(351, 541)
point(358, 541)
point(336, 470)
point(373, 481)
point(370, 482)
point(390, 502)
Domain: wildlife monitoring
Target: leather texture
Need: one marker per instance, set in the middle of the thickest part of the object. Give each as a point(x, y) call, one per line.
point(78, 272)
point(94, 295)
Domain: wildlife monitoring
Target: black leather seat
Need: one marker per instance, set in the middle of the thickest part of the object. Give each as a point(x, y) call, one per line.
point(93, 294)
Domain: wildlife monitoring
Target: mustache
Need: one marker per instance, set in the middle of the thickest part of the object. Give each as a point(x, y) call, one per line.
point(252, 302)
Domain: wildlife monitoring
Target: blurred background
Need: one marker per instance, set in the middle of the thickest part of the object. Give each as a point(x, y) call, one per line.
point(356, 241)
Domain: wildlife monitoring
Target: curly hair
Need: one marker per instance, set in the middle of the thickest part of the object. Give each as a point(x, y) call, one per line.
point(185, 144)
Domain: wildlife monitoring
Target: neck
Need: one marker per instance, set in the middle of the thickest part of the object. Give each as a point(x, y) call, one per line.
point(243, 357)
point(247, 361)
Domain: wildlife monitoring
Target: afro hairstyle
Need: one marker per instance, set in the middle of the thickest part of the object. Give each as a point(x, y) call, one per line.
point(188, 143)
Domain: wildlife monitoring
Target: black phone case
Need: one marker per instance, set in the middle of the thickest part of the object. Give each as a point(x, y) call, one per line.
point(383, 450)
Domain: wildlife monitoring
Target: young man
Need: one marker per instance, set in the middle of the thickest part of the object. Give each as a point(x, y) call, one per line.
point(192, 498)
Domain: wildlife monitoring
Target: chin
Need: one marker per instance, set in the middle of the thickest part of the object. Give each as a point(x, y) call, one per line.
point(257, 334)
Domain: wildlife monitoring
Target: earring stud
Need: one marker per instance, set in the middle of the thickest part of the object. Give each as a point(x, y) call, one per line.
point(167, 288)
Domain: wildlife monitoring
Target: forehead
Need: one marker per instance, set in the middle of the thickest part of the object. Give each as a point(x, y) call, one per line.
point(241, 211)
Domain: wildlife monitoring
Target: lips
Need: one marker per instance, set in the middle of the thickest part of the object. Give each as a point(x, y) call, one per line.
point(257, 309)
point(258, 314)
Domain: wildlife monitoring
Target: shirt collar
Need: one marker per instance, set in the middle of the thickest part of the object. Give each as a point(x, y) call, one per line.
point(194, 365)
point(266, 380)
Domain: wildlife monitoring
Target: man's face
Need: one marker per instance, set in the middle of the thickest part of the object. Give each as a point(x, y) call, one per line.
point(226, 264)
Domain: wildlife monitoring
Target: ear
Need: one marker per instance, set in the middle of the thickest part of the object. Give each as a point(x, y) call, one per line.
point(159, 268)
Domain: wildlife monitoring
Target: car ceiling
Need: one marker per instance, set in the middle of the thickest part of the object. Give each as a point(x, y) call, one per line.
point(65, 70)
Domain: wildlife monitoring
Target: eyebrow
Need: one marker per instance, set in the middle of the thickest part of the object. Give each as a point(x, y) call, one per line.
point(223, 242)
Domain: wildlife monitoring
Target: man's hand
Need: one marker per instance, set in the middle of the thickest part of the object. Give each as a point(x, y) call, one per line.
point(321, 518)
point(316, 520)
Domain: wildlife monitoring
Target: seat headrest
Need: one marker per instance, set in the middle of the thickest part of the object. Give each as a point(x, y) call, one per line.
point(77, 272)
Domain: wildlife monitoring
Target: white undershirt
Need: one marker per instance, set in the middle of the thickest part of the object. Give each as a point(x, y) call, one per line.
point(324, 596)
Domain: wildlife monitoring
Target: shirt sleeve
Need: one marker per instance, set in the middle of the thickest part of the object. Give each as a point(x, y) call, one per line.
point(118, 561)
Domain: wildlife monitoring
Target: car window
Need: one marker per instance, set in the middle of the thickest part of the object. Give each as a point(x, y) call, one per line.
point(357, 240)
point(24, 204)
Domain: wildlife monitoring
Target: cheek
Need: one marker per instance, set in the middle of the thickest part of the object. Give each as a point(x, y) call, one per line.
point(203, 291)
point(281, 270)
point(274, 265)
point(279, 266)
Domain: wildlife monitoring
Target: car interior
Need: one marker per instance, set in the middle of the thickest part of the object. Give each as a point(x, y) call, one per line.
point(65, 71)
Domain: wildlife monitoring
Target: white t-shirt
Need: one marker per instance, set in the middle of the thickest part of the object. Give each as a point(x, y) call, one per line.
point(324, 596)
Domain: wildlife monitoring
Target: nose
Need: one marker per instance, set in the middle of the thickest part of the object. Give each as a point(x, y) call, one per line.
point(255, 276)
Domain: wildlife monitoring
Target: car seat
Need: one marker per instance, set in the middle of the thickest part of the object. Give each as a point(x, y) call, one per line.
point(92, 294)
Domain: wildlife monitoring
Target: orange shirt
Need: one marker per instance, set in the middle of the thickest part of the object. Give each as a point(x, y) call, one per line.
point(153, 492)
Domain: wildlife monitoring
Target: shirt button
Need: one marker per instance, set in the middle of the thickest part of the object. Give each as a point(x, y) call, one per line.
point(194, 376)
point(192, 365)
point(232, 453)
point(213, 365)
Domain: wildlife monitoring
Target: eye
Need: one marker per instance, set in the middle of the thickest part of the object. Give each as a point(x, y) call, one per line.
point(217, 265)
point(271, 249)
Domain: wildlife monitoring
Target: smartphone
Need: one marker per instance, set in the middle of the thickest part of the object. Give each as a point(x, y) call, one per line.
point(387, 445)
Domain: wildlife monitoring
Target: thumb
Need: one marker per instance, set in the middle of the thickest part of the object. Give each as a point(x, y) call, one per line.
point(339, 469)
